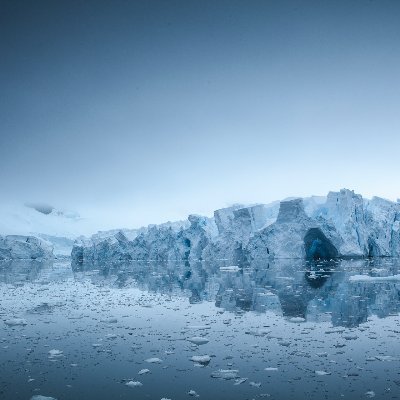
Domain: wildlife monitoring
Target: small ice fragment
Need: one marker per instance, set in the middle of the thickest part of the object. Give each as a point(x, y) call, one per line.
point(109, 320)
point(231, 268)
point(40, 397)
point(322, 373)
point(225, 374)
point(199, 327)
point(198, 340)
point(111, 336)
point(239, 381)
point(350, 336)
point(387, 358)
point(143, 371)
point(16, 322)
point(193, 393)
point(201, 359)
point(55, 353)
point(154, 360)
point(258, 332)
point(367, 278)
point(255, 384)
point(134, 384)
point(297, 319)
point(271, 369)
point(370, 394)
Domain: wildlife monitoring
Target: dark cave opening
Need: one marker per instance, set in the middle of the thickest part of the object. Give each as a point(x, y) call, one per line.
point(318, 246)
point(373, 249)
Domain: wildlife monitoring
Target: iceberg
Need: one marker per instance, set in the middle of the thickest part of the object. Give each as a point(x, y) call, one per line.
point(341, 225)
point(18, 247)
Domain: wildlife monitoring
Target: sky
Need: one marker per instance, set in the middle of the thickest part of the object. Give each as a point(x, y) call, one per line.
point(138, 112)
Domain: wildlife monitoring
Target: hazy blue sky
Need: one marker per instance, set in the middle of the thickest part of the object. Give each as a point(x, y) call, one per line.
point(143, 111)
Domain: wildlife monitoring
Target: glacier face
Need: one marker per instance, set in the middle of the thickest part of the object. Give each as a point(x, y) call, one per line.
point(343, 224)
point(18, 247)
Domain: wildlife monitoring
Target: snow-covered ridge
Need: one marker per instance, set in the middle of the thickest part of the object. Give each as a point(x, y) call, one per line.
point(343, 224)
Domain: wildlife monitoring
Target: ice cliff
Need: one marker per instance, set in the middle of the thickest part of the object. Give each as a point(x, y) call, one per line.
point(343, 224)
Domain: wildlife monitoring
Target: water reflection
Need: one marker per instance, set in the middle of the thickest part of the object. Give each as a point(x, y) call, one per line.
point(288, 329)
point(313, 291)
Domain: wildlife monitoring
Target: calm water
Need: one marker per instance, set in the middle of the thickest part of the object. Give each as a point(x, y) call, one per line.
point(287, 330)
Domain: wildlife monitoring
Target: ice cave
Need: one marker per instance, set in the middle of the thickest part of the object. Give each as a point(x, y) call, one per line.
point(318, 246)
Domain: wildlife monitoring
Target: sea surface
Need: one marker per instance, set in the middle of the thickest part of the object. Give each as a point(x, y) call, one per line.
point(274, 330)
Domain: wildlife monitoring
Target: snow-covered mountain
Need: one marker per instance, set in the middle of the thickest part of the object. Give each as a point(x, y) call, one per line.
point(59, 227)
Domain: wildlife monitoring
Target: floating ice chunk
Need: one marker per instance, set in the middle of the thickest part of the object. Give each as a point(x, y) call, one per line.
point(231, 268)
point(111, 336)
point(16, 322)
point(367, 278)
point(322, 373)
point(271, 369)
point(225, 374)
point(370, 393)
point(239, 381)
point(143, 371)
point(55, 353)
point(193, 393)
point(199, 327)
point(109, 320)
point(387, 358)
point(258, 332)
point(40, 397)
point(255, 384)
point(297, 319)
point(134, 384)
point(350, 336)
point(198, 340)
point(201, 359)
point(154, 360)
